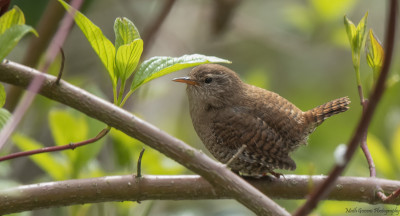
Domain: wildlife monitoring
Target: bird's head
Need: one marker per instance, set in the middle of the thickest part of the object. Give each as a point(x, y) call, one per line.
point(212, 84)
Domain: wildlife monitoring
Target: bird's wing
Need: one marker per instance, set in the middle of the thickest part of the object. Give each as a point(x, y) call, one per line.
point(236, 127)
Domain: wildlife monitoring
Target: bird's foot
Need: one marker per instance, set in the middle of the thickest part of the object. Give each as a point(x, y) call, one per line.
point(276, 175)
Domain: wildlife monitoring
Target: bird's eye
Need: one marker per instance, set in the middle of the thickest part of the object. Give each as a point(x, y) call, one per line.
point(208, 80)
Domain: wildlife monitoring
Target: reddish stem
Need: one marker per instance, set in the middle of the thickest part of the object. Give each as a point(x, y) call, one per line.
point(71, 146)
point(388, 199)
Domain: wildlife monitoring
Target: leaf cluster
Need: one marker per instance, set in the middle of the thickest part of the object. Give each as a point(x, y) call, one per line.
point(122, 59)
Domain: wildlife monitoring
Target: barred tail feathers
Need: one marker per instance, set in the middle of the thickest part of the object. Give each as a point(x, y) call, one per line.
point(317, 115)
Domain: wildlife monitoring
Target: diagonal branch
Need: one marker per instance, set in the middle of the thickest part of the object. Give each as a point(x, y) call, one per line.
point(320, 192)
point(214, 172)
point(149, 187)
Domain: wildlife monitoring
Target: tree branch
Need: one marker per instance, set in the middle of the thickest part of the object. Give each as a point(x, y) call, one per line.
point(320, 192)
point(216, 173)
point(149, 187)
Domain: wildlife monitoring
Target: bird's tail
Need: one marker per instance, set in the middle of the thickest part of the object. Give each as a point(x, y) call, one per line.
point(317, 115)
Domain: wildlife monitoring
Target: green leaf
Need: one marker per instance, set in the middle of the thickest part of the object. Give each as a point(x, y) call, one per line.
point(12, 29)
point(50, 163)
point(4, 116)
point(375, 54)
point(125, 32)
point(67, 128)
point(101, 45)
point(350, 29)
point(12, 17)
point(129, 47)
point(361, 31)
point(2, 95)
point(10, 38)
point(127, 58)
point(356, 37)
point(380, 156)
point(162, 65)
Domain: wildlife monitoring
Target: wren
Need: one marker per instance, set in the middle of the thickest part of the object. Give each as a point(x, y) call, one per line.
point(252, 128)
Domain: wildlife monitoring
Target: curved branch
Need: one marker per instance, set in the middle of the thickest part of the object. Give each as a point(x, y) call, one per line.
point(149, 187)
point(216, 173)
point(320, 192)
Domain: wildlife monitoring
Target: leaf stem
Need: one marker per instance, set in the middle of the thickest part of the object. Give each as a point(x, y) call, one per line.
point(126, 98)
point(115, 94)
point(121, 91)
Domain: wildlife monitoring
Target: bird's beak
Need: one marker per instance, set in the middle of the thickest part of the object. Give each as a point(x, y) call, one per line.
point(186, 80)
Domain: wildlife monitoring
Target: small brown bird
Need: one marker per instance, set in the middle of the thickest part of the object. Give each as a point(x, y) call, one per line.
point(249, 128)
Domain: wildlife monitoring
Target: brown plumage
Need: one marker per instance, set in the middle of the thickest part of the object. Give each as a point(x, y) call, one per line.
point(228, 113)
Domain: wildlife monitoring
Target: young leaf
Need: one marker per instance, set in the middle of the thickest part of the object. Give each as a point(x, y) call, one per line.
point(375, 54)
point(361, 31)
point(10, 38)
point(50, 163)
point(127, 58)
point(4, 116)
point(356, 37)
point(101, 45)
point(125, 32)
point(350, 29)
point(11, 18)
point(162, 65)
point(129, 47)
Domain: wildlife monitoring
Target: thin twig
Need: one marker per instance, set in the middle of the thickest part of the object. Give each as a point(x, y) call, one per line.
point(368, 156)
point(391, 197)
point(139, 164)
point(321, 191)
point(60, 72)
point(71, 146)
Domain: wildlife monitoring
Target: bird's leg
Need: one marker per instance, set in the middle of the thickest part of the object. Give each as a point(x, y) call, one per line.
point(276, 175)
point(234, 157)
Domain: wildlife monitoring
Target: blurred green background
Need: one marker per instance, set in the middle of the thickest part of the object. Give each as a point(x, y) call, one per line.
point(298, 49)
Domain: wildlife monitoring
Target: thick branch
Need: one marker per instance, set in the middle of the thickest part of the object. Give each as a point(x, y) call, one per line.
point(192, 187)
point(216, 173)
